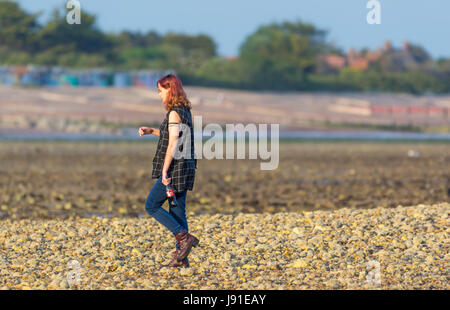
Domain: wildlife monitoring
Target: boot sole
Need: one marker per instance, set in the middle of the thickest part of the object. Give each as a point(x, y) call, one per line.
point(196, 242)
point(168, 266)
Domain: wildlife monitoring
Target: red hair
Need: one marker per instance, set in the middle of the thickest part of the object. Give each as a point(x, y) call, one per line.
point(177, 96)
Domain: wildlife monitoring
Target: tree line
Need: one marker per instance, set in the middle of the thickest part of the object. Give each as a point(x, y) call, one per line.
point(279, 56)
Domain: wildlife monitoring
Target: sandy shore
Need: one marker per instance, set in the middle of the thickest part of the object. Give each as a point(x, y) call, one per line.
point(105, 110)
point(114, 179)
point(304, 250)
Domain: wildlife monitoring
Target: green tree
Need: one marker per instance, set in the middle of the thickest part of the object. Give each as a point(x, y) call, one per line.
point(129, 39)
point(59, 36)
point(281, 55)
point(17, 27)
point(161, 56)
point(221, 72)
point(192, 44)
point(179, 52)
point(195, 50)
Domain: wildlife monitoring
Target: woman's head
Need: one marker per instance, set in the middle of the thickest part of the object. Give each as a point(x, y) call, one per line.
point(171, 92)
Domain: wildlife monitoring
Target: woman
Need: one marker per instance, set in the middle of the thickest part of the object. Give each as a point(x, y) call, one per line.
point(176, 171)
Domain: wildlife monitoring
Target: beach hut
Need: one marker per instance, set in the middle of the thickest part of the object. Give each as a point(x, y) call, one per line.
point(121, 79)
point(6, 76)
point(53, 76)
point(69, 79)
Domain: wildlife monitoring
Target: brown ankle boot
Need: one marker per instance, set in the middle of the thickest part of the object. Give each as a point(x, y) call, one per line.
point(175, 263)
point(186, 241)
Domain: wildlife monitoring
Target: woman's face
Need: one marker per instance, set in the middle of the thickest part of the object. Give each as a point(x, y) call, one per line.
point(163, 93)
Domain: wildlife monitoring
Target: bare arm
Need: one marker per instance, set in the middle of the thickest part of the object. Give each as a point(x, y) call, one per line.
point(148, 131)
point(173, 140)
point(155, 131)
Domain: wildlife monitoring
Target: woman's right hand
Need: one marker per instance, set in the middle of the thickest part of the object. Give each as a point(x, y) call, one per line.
point(145, 131)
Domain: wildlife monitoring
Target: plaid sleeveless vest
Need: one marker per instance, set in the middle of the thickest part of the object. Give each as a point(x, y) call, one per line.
point(182, 171)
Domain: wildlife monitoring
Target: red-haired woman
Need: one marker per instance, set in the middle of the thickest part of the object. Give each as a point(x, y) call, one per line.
point(178, 171)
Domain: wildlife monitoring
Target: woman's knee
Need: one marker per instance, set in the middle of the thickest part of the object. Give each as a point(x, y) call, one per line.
point(151, 205)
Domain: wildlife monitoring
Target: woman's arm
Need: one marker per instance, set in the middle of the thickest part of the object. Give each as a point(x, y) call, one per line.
point(148, 131)
point(173, 141)
point(155, 131)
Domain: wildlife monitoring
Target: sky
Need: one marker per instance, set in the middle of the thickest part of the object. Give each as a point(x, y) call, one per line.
point(229, 22)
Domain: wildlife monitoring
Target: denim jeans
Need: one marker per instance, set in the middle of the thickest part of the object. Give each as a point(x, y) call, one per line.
point(174, 220)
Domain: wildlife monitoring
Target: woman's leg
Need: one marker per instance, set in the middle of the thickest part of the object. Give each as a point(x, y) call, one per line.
point(179, 212)
point(153, 206)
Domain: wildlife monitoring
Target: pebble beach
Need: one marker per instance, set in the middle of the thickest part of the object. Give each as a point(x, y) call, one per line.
point(406, 247)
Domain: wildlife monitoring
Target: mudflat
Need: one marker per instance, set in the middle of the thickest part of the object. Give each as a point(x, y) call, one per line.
point(50, 180)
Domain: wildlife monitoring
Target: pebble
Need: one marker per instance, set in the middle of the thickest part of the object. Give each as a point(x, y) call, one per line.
point(299, 263)
point(304, 250)
point(241, 240)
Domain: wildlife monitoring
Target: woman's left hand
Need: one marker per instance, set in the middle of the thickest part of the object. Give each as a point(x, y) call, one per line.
point(165, 179)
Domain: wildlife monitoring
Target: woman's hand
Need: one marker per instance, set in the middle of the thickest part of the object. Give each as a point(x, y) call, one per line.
point(165, 180)
point(145, 131)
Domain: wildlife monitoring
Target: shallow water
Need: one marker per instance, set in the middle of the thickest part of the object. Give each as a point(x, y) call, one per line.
point(284, 134)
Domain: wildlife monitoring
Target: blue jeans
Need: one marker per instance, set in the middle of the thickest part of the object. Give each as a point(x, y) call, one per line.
point(174, 220)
